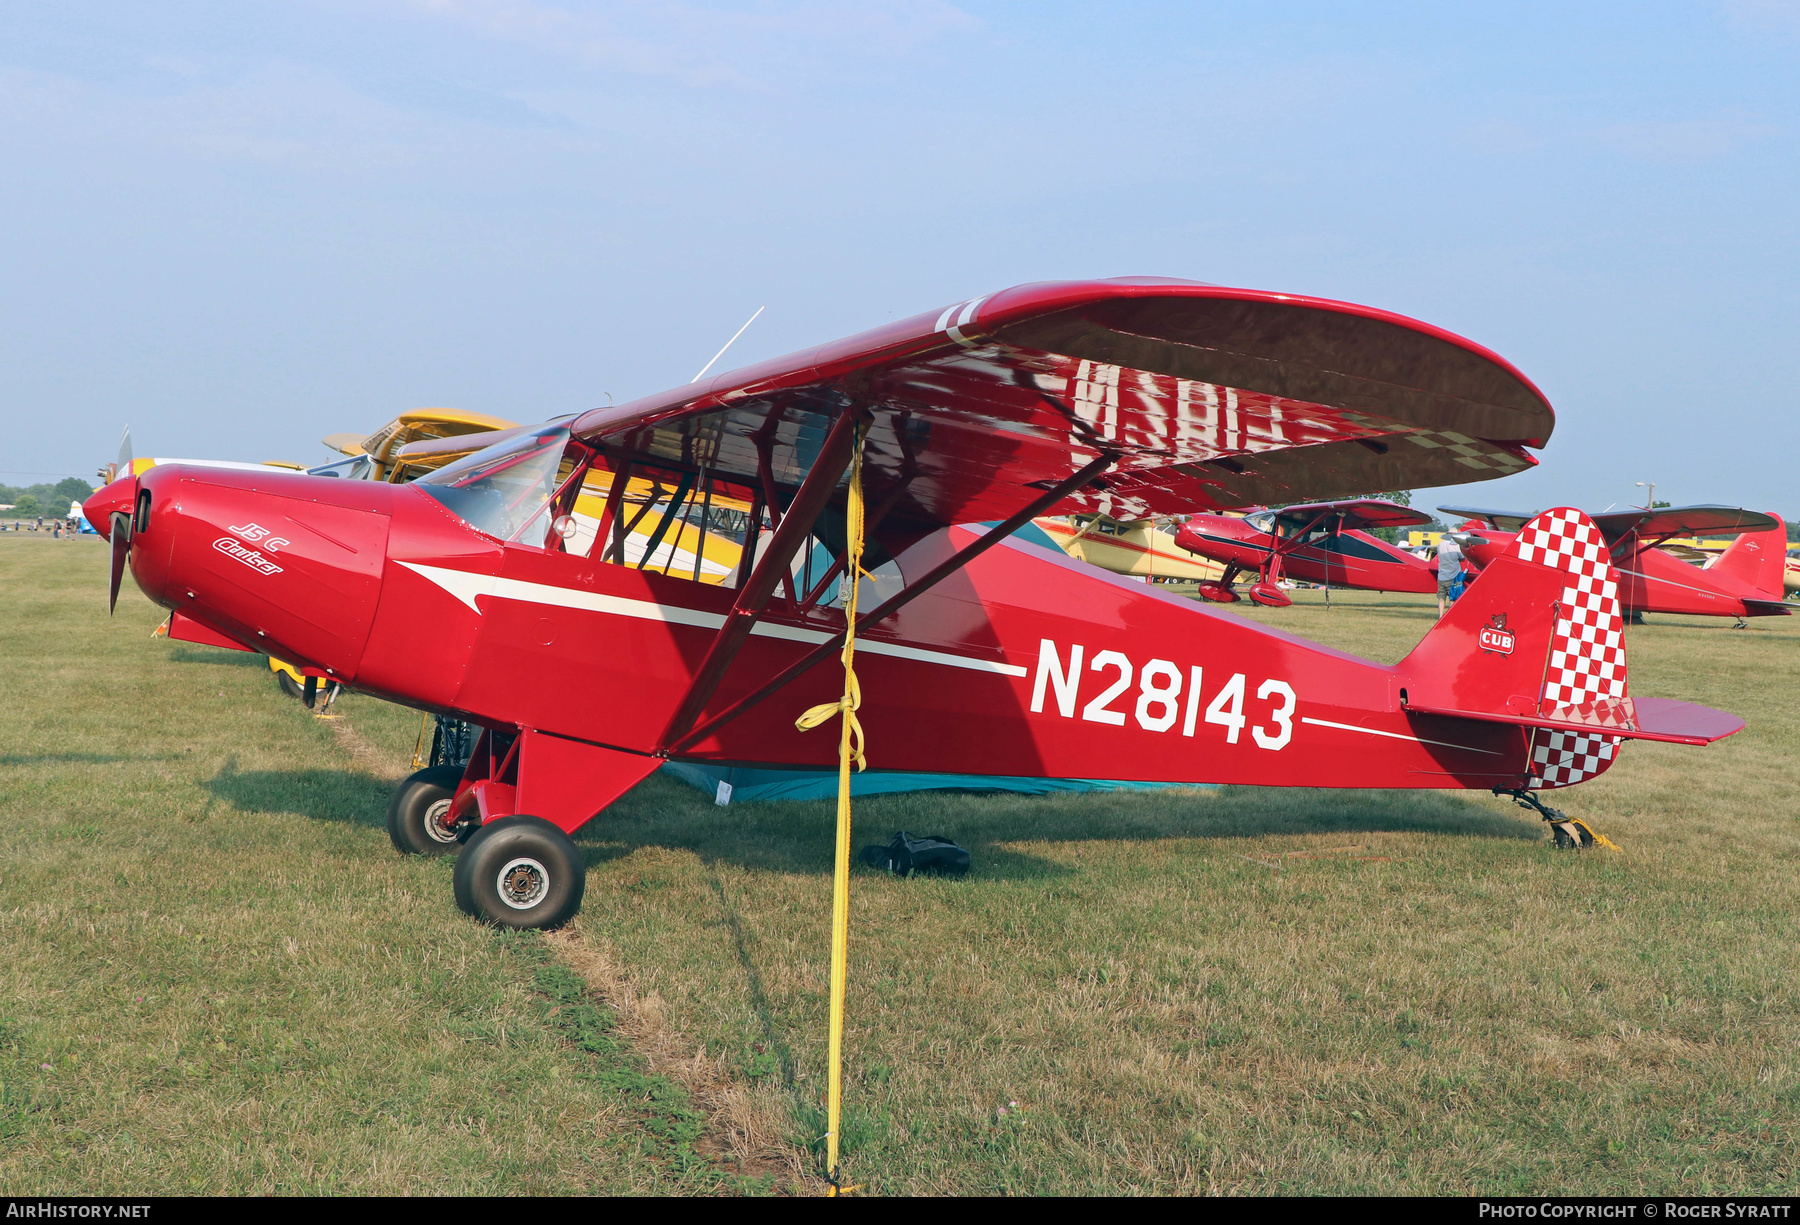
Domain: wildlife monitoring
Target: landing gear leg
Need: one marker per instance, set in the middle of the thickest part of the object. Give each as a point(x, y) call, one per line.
point(1569, 833)
point(1267, 590)
point(1741, 624)
point(1219, 590)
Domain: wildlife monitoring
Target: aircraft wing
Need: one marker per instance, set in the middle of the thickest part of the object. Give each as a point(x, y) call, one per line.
point(1499, 520)
point(1683, 521)
point(436, 452)
point(1209, 398)
point(1360, 513)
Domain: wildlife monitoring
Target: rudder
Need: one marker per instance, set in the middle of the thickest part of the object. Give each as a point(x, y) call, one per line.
point(1758, 559)
point(1537, 635)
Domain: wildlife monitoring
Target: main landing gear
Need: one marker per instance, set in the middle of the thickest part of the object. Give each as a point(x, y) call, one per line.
point(1570, 833)
point(1265, 591)
point(1219, 590)
point(513, 869)
point(1269, 595)
point(520, 872)
point(419, 819)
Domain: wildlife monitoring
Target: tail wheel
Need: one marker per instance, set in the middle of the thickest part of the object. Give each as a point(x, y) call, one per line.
point(520, 872)
point(1572, 836)
point(419, 813)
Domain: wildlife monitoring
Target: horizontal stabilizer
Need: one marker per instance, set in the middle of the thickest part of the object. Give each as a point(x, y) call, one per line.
point(1662, 719)
point(1768, 608)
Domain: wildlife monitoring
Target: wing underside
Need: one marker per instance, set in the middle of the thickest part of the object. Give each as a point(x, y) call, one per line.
point(1355, 513)
point(1205, 398)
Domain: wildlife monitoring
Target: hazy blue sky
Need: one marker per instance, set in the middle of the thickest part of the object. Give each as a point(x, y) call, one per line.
point(241, 226)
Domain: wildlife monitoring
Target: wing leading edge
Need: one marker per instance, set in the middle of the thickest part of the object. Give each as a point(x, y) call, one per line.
point(1208, 398)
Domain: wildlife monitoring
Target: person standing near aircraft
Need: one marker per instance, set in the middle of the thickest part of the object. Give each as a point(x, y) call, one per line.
point(1449, 566)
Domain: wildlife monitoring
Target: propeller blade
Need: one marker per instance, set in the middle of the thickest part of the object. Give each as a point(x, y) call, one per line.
point(121, 547)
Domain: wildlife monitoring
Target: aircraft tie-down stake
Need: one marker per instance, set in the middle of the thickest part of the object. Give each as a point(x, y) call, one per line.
point(1129, 398)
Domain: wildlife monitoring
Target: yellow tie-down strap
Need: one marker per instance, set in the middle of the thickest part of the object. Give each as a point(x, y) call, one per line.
point(850, 750)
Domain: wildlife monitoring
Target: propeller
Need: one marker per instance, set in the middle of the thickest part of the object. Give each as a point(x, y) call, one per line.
point(121, 548)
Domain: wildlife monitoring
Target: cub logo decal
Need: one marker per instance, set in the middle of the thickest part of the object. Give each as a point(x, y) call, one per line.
point(1495, 637)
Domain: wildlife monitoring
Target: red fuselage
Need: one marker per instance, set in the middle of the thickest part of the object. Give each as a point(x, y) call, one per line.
point(1019, 664)
point(1340, 559)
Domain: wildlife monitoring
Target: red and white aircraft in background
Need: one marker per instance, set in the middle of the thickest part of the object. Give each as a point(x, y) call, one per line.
point(1131, 398)
point(1314, 543)
point(1744, 581)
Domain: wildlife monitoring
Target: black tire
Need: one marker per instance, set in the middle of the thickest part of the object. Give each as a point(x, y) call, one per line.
point(520, 872)
point(287, 684)
point(1580, 841)
point(416, 812)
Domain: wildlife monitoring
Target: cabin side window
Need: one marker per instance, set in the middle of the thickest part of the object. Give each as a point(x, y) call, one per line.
point(693, 525)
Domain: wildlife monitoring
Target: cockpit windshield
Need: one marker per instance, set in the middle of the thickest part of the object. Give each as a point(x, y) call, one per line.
point(500, 489)
point(1262, 520)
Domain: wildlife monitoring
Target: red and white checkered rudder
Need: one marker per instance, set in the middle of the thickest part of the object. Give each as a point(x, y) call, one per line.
point(1587, 647)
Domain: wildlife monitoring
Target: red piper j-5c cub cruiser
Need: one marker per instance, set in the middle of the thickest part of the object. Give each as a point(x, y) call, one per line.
point(475, 592)
point(1319, 543)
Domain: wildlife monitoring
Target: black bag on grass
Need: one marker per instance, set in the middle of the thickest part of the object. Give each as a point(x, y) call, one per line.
point(909, 853)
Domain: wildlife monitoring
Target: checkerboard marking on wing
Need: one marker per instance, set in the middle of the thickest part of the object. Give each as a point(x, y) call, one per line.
point(1587, 649)
point(1469, 452)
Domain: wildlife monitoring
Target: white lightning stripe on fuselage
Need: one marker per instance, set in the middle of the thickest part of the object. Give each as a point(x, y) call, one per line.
point(467, 587)
point(1369, 731)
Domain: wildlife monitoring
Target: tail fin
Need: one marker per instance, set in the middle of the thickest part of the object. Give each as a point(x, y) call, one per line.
point(1757, 559)
point(1538, 641)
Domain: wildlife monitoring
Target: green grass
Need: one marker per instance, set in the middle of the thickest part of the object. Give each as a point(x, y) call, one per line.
point(1465, 1010)
point(237, 986)
point(220, 978)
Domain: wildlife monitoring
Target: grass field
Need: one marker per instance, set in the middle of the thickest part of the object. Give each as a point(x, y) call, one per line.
point(221, 978)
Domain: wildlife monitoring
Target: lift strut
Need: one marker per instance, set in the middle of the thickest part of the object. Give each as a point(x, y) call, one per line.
point(679, 737)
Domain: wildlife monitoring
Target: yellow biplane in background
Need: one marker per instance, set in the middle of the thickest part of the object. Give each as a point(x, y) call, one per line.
point(1143, 549)
point(376, 457)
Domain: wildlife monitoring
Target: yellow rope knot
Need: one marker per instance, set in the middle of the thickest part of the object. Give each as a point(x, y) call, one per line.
point(846, 706)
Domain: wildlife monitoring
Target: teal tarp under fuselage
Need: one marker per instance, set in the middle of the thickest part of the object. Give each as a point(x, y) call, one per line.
point(754, 783)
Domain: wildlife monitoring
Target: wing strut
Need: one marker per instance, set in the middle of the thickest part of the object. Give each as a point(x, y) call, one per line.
point(674, 739)
point(771, 568)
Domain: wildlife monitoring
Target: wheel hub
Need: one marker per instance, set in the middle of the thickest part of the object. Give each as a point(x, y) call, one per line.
point(523, 883)
point(438, 825)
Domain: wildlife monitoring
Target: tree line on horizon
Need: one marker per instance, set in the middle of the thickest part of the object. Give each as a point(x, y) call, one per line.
point(45, 498)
